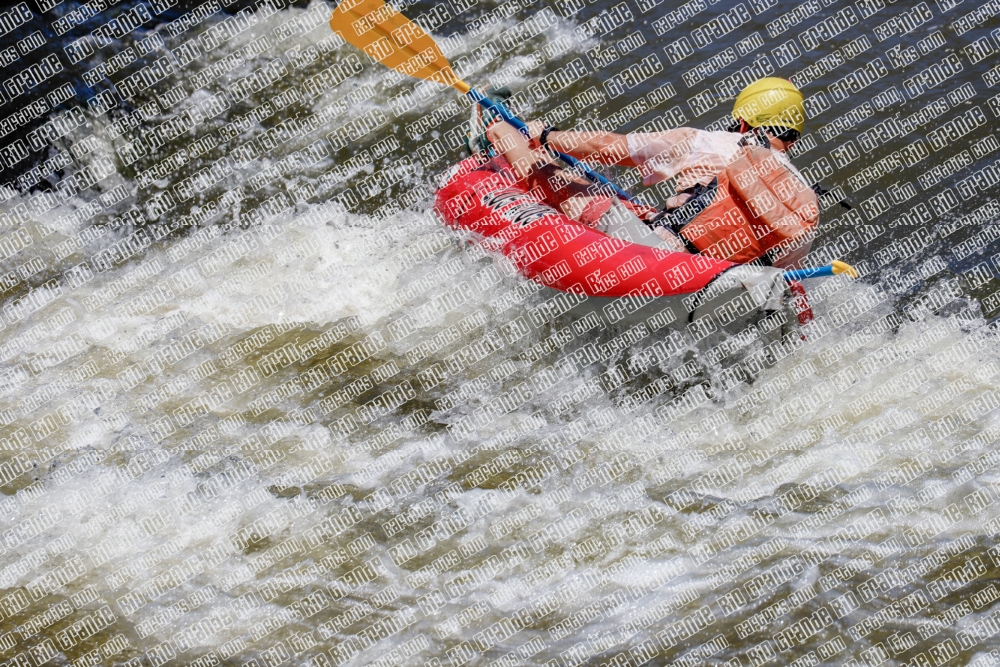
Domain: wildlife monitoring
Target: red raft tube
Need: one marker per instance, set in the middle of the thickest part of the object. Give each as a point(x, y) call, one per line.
point(483, 196)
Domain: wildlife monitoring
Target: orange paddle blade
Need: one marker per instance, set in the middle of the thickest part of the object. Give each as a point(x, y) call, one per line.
point(395, 41)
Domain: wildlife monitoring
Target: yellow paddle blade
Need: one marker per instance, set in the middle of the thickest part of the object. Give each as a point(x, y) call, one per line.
point(844, 267)
point(395, 41)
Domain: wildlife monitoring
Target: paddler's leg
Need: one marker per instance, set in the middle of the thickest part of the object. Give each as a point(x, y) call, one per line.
point(538, 169)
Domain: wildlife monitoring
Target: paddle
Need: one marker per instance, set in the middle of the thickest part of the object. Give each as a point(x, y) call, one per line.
point(397, 42)
point(837, 267)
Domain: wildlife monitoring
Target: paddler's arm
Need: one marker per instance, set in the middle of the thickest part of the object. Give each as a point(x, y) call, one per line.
point(602, 147)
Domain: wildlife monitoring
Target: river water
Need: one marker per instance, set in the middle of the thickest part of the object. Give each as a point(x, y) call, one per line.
point(286, 417)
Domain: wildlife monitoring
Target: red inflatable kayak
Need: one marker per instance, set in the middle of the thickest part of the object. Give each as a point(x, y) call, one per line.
point(482, 195)
point(615, 276)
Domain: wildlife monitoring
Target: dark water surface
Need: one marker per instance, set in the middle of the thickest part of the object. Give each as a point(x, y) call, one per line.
point(260, 407)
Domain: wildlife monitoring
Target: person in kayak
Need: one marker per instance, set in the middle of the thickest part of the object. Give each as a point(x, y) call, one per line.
point(738, 197)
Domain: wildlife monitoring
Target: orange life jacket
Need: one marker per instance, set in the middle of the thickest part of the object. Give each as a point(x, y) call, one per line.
point(759, 207)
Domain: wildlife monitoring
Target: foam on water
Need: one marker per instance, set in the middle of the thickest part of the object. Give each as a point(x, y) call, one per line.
point(611, 497)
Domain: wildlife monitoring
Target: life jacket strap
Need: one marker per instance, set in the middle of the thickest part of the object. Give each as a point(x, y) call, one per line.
point(821, 191)
point(675, 219)
point(755, 137)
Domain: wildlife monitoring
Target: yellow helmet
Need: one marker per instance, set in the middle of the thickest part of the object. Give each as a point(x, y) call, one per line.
point(771, 102)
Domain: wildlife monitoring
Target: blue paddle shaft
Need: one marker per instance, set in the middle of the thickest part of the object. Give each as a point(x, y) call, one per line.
point(514, 121)
point(799, 274)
